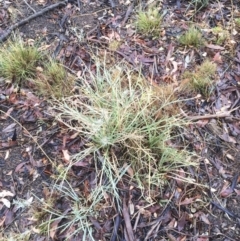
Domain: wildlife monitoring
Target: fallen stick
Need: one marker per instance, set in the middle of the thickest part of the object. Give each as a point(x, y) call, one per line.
point(7, 32)
point(129, 11)
point(209, 116)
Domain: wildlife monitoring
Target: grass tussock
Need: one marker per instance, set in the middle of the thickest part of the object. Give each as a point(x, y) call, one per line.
point(220, 34)
point(200, 81)
point(18, 60)
point(193, 37)
point(53, 80)
point(149, 22)
point(22, 63)
point(117, 114)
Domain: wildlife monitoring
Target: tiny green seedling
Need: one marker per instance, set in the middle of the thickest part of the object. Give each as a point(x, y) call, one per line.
point(149, 22)
point(201, 80)
point(18, 60)
point(193, 37)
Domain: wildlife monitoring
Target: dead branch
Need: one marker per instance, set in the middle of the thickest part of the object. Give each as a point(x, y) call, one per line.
point(7, 33)
point(129, 11)
point(209, 116)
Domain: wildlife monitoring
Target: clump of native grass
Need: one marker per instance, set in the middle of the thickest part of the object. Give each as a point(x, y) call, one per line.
point(220, 34)
point(18, 60)
point(192, 37)
point(201, 80)
point(53, 80)
point(24, 63)
point(117, 114)
point(148, 22)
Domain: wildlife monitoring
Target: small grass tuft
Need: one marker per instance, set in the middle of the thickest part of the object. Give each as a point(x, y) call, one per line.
point(53, 80)
point(201, 80)
point(192, 37)
point(221, 35)
point(149, 22)
point(18, 60)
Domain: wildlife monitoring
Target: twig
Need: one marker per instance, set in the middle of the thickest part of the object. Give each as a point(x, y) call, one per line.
point(201, 117)
point(92, 13)
point(127, 220)
point(129, 11)
point(115, 227)
point(225, 210)
point(29, 6)
point(4, 36)
point(16, 121)
point(79, 4)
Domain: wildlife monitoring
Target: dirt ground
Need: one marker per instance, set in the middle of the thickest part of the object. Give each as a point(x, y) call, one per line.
point(209, 209)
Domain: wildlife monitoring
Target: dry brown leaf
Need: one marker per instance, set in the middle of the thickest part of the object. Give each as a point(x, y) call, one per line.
point(6, 193)
point(171, 237)
point(202, 239)
point(226, 192)
point(6, 114)
point(66, 156)
point(130, 172)
point(217, 58)
point(237, 191)
point(187, 201)
point(216, 47)
point(6, 202)
point(205, 219)
point(127, 221)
